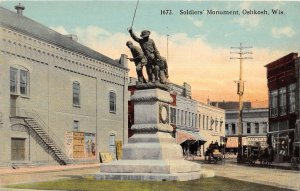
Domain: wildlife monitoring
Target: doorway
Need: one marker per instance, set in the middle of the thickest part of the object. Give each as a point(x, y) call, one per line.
point(17, 149)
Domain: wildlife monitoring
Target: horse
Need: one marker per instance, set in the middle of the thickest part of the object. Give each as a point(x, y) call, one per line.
point(266, 156)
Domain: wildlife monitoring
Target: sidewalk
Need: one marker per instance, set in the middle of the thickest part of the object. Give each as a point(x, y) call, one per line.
point(44, 173)
point(4, 171)
point(232, 160)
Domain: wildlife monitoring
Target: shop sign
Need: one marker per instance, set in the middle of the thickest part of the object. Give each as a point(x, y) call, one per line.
point(257, 140)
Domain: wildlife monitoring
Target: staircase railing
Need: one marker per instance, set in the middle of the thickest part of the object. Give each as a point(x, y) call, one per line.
point(51, 136)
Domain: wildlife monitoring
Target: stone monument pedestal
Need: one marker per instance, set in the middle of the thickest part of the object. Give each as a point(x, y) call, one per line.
point(151, 153)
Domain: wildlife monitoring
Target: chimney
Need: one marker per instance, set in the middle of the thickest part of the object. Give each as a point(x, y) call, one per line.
point(72, 37)
point(208, 101)
point(123, 60)
point(19, 9)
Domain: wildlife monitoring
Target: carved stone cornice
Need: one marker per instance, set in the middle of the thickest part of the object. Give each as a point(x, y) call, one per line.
point(152, 128)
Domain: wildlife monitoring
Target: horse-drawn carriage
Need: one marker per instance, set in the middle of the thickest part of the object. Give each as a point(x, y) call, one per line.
point(253, 153)
point(214, 154)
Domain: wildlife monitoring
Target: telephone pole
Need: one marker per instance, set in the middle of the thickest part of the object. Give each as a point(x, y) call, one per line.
point(168, 35)
point(168, 47)
point(240, 92)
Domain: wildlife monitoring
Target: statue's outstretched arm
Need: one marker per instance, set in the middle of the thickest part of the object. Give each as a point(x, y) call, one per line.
point(134, 37)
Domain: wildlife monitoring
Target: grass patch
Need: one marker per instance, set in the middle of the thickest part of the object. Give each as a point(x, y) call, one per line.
point(204, 184)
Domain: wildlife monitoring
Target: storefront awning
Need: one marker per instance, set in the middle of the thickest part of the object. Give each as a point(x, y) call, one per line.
point(232, 142)
point(183, 136)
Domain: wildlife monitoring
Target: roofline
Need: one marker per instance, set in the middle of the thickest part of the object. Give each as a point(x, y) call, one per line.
point(282, 59)
point(20, 30)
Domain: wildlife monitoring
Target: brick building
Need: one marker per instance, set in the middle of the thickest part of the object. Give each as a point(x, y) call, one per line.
point(283, 85)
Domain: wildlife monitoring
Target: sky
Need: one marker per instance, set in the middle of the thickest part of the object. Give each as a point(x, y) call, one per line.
point(199, 46)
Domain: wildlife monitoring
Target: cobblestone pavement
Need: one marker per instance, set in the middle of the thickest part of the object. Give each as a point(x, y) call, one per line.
point(275, 177)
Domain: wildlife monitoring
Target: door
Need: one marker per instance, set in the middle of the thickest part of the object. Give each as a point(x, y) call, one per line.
point(112, 145)
point(17, 149)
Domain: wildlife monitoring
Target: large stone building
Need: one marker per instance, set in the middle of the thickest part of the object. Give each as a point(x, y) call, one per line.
point(60, 101)
point(283, 84)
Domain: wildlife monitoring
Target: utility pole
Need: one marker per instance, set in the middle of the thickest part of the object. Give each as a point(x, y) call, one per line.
point(168, 47)
point(240, 92)
point(168, 44)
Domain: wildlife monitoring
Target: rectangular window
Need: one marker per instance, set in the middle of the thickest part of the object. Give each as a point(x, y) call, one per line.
point(282, 101)
point(195, 120)
point(13, 80)
point(24, 82)
point(265, 128)
point(178, 116)
point(226, 129)
point(257, 128)
point(233, 128)
point(199, 118)
point(112, 102)
point(248, 128)
point(76, 94)
point(173, 115)
point(292, 98)
point(203, 121)
point(192, 119)
point(211, 123)
point(182, 117)
point(189, 117)
point(185, 118)
point(76, 125)
point(207, 122)
point(273, 103)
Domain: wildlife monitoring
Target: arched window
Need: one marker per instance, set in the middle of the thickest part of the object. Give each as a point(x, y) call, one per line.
point(112, 102)
point(76, 94)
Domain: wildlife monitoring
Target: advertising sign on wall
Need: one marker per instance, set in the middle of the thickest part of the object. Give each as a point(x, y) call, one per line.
point(89, 145)
point(80, 145)
point(119, 149)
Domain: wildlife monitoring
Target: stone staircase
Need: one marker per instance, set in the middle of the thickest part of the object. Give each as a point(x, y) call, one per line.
point(46, 141)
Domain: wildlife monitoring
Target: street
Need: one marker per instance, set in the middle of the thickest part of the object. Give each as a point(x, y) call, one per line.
point(274, 177)
point(268, 176)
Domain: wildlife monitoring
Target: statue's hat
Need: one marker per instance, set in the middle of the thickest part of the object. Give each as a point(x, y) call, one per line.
point(145, 33)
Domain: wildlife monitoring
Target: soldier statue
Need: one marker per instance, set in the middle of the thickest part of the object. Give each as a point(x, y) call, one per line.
point(157, 69)
point(139, 59)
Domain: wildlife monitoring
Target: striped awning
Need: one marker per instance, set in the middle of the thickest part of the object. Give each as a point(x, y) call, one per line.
point(183, 136)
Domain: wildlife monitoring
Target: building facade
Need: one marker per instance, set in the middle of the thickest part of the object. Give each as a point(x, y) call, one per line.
point(254, 127)
point(283, 85)
point(197, 124)
point(60, 101)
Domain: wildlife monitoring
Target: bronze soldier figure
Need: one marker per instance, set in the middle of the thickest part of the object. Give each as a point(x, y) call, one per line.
point(152, 54)
point(139, 59)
